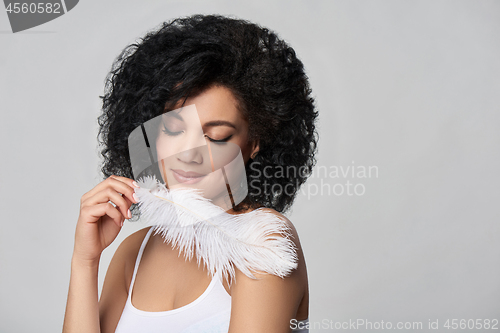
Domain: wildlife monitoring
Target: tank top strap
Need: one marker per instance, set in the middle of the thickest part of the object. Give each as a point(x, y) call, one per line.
point(138, 260)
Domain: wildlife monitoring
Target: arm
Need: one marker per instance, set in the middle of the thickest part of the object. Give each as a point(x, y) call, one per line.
point(98, 225)
point(102, 316)
point(81, 307)
point(264, 305)
point(268, 303)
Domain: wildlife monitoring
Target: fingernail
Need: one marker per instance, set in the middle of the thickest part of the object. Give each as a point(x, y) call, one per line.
point(135, 197)
point(135, 184)
point(129, 214)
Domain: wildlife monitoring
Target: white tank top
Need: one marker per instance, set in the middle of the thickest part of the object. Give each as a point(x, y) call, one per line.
point(209, 313)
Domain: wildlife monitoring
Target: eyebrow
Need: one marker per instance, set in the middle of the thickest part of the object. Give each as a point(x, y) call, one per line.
point(214, 123)
point(171, 113)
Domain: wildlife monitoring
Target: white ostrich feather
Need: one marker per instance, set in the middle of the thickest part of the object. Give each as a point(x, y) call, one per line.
point(258, 241)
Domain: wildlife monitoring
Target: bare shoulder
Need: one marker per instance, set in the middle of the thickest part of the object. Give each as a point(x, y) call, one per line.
point(271, 299)
point(129, 247)
point(293, 231)
point(128, 251)
point(117, 281)
point(300, 271)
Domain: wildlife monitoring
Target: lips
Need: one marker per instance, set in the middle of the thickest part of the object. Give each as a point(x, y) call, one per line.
point(187, 177)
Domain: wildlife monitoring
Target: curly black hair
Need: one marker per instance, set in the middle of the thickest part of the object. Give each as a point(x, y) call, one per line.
point(185, 56)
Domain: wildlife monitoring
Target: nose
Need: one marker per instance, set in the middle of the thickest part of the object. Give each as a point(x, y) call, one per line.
point(193, 155)
point(192, 149)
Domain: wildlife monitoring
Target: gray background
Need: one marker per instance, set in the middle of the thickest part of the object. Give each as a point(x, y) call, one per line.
point(408, 86)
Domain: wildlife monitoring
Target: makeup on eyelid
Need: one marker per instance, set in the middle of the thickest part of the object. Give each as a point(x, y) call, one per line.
point(175, 132)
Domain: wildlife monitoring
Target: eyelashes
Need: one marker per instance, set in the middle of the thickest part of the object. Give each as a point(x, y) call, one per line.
point(219, 141)
point(170, 133)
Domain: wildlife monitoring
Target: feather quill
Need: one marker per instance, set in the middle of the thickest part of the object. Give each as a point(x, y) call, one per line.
point(258, 241)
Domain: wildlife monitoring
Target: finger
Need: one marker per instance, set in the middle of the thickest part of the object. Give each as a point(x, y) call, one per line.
point(114, 183)
point(114, 214)
point(110, 194)
point(130, 190)
point(130, 182)
point(129, 203)
point(92, 214)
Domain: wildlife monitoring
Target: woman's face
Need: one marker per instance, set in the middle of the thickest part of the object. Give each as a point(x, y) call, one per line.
point(205, 145)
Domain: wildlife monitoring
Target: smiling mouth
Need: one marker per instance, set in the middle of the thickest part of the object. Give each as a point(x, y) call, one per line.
point(187, 177)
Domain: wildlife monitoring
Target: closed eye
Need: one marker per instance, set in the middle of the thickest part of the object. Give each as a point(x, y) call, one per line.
point(218, 141)
point(166, 131)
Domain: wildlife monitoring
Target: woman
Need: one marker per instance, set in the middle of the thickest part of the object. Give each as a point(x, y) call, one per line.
point(250, 90)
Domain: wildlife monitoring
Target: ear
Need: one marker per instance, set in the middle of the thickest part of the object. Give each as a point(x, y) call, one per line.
point(255, 149)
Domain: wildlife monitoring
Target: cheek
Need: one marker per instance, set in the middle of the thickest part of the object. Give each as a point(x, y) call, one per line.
point(163, 149)
point(246, 151)
point(242, 142)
